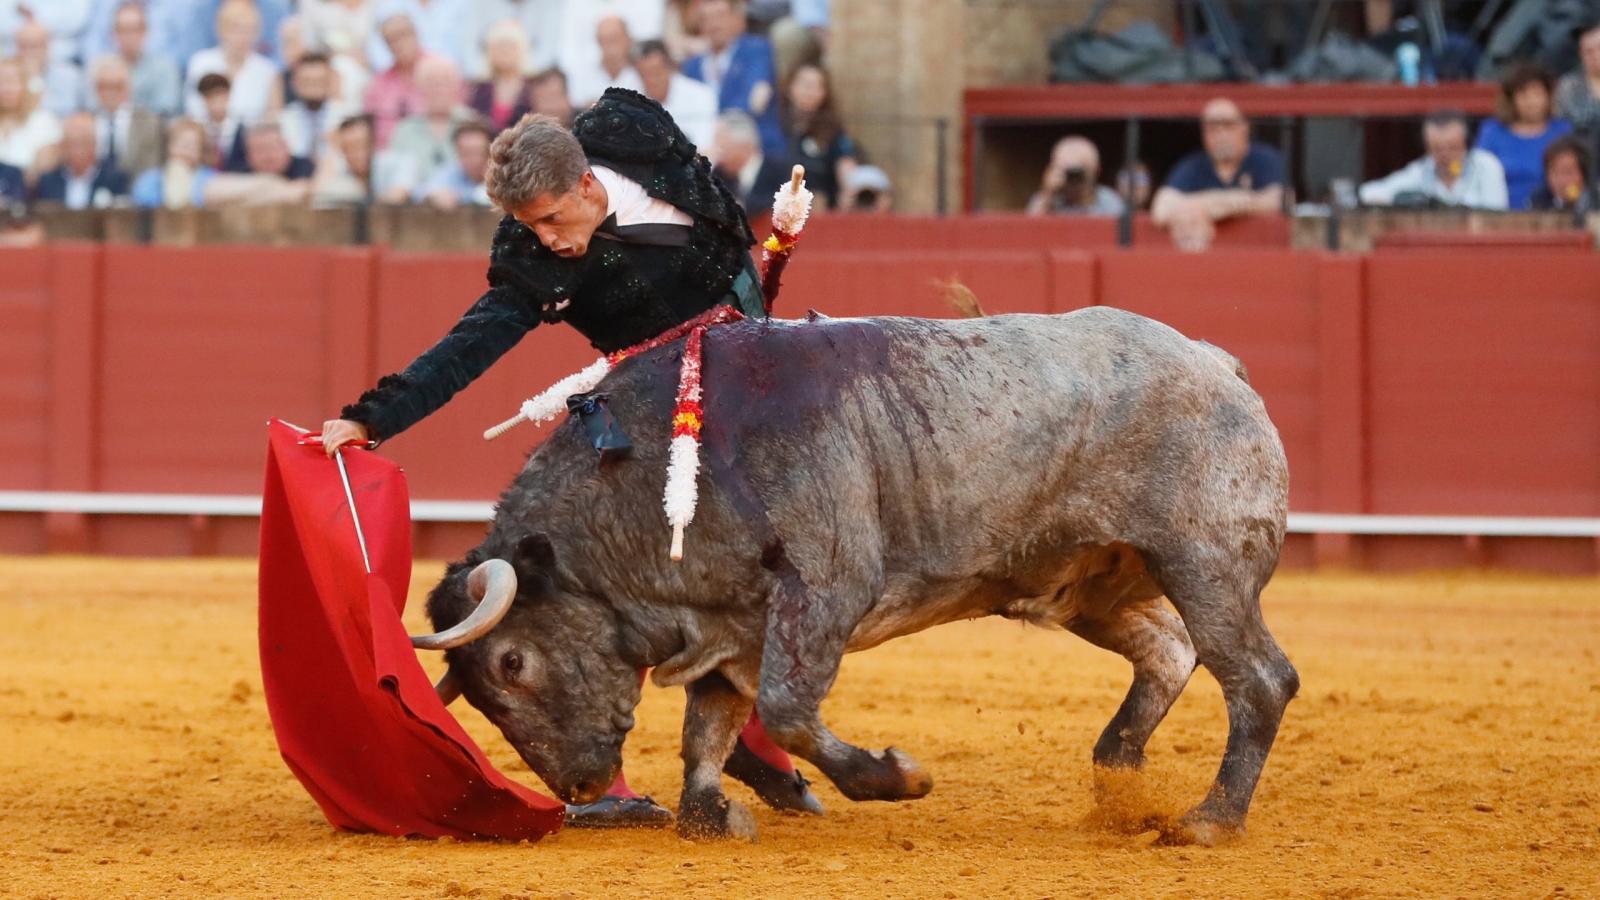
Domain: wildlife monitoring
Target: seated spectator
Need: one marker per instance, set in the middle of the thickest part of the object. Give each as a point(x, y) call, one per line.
point(426, 139)
point(799, 35)
point(181, 181)
point(17, 227)
point(339, 26)
point(737, 158)
point(1578, 93)
point(502, 97)
point(815, 136)
point(690, 103)
point(253, 78)
point(548, 96)
point(156, 83)
point(1566, 186)
point(57, 82)
point(1133, 183)
point(63, 20)
point(538, 21)
point(291, 49)
point(13, 193)
point(126, 137)
point(356, 173)
point(393, 94)
point(266, 152)
point(1523, 128)
point(314, 113)
point(460, 182)
point(613, 68)
point(1449, 174)
point(1230, 176)
point(577, 51)
point(680, 30)
point(739, 68)
point(340, 29)
point(1071, 183)
point(81, 181)
point(224, 133)
point(441, 27)
point(28, 132)
point(867, 190)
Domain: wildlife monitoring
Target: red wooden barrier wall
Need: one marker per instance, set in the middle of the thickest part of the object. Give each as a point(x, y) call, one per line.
point(1411, 384)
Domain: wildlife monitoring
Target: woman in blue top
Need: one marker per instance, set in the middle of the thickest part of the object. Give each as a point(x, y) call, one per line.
point(1524, 127)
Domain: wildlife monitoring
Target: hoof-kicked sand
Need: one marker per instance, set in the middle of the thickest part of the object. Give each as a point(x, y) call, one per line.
point(1444, 744)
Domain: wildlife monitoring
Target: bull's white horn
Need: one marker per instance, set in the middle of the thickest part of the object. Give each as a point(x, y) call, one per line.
point(448, 688)
point(494, 585)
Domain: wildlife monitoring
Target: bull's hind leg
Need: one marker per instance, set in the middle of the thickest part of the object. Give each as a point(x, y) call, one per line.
point(1153, 638)
point(711, 722)
point(807, 630)
point(1220, 601)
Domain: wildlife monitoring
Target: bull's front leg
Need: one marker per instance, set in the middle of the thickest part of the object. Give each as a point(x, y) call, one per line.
point(807, 630)
point(712, 719)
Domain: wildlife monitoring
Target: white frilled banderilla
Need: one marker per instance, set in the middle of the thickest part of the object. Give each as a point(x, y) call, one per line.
point(790, 208)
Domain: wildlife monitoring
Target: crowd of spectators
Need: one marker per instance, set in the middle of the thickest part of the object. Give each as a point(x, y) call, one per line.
point(1536, 153)
point(204, 103)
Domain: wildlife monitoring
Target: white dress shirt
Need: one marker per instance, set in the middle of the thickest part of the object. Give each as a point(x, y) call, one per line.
point(585, 87)
point(1481, 185)
point(693, 106)
point(626, 199)
point(250, 91)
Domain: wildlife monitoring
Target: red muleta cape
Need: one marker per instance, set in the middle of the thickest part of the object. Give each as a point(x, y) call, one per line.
point(355, 716)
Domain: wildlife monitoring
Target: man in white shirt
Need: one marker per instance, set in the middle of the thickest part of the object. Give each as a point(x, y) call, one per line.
point(691, 103)
point(737, 159)
point(613, 68)
point(441, 26)
point(156, 81)
point(81, 182)
point(1450, 173)
point(579, 52)
point(315, 114)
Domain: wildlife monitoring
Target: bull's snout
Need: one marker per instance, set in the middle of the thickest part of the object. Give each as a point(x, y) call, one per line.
point(586, 778)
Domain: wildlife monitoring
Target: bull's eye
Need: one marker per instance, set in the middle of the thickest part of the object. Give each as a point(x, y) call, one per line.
point(511, 662)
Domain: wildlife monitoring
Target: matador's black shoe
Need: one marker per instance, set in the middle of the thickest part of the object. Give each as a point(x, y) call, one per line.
point(783, 791)
point(619, 812)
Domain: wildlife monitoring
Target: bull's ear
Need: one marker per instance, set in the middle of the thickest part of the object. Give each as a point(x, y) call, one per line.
point(535, 554)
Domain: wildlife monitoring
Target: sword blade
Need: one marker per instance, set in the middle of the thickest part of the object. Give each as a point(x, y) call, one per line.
point(350, 497)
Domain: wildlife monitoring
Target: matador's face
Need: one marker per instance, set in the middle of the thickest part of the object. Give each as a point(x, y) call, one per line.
point(566, 223)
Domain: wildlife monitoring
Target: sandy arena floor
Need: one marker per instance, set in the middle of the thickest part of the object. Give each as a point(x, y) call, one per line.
point(1444, 744)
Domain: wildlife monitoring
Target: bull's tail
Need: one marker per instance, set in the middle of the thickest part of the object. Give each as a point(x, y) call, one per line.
point(960, 298)
point(1228, 359)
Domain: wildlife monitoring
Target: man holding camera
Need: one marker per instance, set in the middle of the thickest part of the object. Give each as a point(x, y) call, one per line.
point(1451, 174)
point(1071, 183)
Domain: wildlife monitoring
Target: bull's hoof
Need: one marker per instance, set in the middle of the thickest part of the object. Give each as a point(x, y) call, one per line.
point(619, 812)
point(1199, 830)
point(713, 817)
point(917, 782)
point(787, 792)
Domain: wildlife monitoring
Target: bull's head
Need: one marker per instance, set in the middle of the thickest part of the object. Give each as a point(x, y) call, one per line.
point(541, 663)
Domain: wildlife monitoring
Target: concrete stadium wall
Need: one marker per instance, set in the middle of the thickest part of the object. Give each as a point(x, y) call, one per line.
point(1407, 384)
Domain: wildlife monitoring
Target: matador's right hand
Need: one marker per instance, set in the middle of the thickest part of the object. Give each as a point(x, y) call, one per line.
point(338, 432)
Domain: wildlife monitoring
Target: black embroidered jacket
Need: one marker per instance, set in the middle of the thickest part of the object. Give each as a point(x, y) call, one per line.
point(619, 293)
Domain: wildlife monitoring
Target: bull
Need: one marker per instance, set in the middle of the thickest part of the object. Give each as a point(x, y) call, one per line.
point(865, 479)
